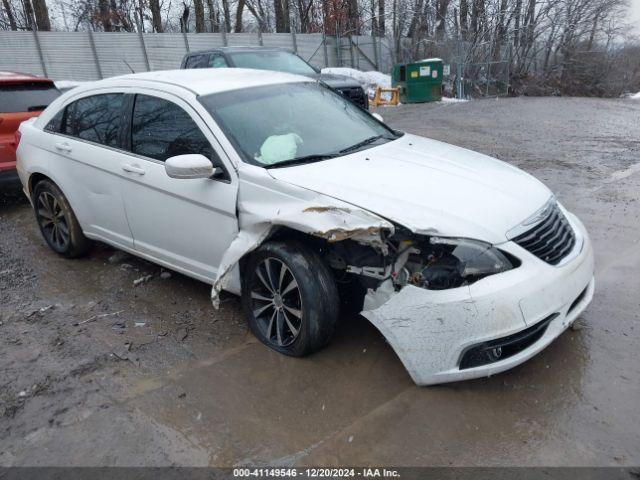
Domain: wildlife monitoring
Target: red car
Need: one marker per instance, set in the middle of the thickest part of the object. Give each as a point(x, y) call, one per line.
point(22, 96)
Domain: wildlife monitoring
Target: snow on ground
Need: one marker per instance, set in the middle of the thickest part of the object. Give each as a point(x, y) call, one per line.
point(635, 96)
point(453, 100)
point(371, 80)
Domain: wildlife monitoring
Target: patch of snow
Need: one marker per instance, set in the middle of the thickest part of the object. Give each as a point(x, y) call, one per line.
point(635, 96)
point(68, 84)
point(369, 80)
point(453, 100)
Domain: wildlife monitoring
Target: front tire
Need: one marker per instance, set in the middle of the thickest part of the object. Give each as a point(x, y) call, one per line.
point(290, 298)
point(58, 224)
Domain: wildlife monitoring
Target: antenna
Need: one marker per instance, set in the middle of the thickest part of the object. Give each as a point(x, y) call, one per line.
point(127, 64)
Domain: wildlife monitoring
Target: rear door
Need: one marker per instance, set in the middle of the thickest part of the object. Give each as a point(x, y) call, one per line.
point(85, 140)
point(19, 102)
point(184, 224)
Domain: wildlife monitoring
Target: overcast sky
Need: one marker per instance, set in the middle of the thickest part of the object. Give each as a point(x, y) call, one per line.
point(635, 14)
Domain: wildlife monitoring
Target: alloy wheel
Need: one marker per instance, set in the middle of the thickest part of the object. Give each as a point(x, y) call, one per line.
point(52, 220)
point(276, 302)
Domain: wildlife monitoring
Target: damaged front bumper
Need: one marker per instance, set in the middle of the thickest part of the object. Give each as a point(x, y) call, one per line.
point(490, 326)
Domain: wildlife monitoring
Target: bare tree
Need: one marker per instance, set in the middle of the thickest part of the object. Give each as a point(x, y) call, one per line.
point(198, 10)
point(10, 17)
point(281, 9)
point(156, 17)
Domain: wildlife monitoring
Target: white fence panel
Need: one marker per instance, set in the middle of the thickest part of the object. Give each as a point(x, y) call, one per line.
point(204, 41)
point(19, 53)
point(117, 53)
point(242, 39)
point(165, 50)
point(68, 55)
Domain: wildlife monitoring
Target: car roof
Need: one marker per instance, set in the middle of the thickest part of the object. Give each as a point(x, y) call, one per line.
point(17, 77)
point(247, 48)
point(201, 81)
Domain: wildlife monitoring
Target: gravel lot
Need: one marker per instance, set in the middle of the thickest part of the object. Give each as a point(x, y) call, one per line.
point(95, 371)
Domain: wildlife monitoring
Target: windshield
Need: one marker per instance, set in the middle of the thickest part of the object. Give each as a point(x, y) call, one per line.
point(27, 97)
point(277, 61)
point(278, 125)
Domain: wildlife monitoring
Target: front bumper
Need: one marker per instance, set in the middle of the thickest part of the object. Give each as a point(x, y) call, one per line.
point(431, 330)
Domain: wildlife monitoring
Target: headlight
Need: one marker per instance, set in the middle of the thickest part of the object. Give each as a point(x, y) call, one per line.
point(453, 262)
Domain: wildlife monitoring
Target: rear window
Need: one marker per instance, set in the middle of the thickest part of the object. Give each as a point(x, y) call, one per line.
point(27, 97)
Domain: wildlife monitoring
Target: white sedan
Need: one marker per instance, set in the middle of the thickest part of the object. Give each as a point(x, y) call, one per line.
point(276, 188)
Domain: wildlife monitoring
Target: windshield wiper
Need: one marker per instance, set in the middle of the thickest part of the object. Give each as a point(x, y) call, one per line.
point(316, 157)
point(363, 143)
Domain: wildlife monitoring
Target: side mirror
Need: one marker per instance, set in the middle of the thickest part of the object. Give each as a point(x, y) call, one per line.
point(378, 117)
point(193, 165)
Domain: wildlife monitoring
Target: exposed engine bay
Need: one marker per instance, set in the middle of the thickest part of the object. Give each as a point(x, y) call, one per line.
point(430, 262)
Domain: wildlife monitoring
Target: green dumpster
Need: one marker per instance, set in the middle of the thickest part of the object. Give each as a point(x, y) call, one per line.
point(419, 81)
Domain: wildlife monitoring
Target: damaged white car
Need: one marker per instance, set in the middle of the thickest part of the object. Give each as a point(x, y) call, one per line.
point(276, 188)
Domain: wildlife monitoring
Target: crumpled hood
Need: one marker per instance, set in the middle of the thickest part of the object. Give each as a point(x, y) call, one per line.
point(427, 186)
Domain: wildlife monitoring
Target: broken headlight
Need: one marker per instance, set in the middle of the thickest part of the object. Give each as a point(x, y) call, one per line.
point(454, 262)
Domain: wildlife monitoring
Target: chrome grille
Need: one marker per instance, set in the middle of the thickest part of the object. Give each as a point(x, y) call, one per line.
point(550, 240)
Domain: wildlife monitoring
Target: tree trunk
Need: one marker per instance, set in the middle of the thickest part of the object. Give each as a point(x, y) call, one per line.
point(10, 16)
point(281, 8)
point(42, 15)
point(477, 9)
point(28, 14)
point(105, 14)
point(464, 13)
point(198, 9)
point(256, 14)
point(239, 11)
point(500, 31)
point(353, 18)
point(184, 21)
point(227, 15)
point(441, 16)
point(415, 19)
point(516, 27)
point(156, 18)
point(213, 20)
point(381, 27)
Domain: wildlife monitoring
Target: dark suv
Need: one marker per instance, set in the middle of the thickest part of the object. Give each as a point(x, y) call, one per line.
point(280, 60)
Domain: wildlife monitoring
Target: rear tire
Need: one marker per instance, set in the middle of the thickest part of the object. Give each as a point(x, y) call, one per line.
point(290, 298)
point(58, 224)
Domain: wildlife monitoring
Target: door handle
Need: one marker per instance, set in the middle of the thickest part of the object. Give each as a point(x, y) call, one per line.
point(133, 169)
point(63, 146)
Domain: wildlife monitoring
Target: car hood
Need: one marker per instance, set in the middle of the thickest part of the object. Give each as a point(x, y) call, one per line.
point(427, 186)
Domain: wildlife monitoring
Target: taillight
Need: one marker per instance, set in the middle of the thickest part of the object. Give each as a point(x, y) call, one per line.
point(17, 137)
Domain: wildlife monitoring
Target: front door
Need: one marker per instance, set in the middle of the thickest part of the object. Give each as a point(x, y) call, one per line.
point(185, 224)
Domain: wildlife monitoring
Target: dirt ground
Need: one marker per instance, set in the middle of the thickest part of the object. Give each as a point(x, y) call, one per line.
point(96, 371)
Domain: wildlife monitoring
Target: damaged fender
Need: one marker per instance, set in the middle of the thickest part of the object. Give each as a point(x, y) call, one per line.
point(262, 209)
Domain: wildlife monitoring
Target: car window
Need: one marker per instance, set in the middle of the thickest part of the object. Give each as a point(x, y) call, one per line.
point(56, 123)
point(161, 129)
point(217, 60)
point(96, 118)
point(196, 61)
point(27, 97)
point(274, 60)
